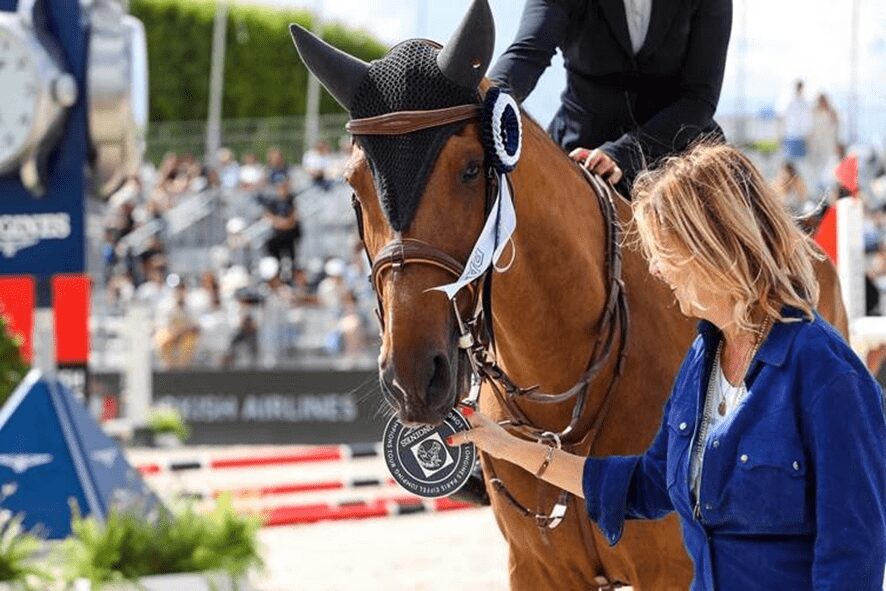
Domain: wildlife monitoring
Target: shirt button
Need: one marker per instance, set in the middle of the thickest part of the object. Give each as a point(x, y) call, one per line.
point(744, 458)
point(796, 465)
point(716, 443)
point(708, 506)
point(682, 426)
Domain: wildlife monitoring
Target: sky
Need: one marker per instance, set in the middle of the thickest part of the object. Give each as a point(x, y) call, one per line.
point(773, 43)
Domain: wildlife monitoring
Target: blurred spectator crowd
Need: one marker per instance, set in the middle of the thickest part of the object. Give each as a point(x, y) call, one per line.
point(214, 254)
point(249, 263)
point(816, 168)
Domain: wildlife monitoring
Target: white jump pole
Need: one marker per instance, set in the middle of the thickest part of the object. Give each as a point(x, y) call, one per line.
point(866, 333)
point(850, 255)
point(138, 377)
point(44, 342)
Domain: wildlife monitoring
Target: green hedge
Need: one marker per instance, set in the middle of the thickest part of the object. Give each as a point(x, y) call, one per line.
point(263, 75)
point(12, 367)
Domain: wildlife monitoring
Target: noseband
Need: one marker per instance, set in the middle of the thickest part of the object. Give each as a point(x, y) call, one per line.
point(475, 333)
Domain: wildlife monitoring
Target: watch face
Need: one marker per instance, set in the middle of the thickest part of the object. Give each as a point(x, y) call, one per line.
point(19, 95)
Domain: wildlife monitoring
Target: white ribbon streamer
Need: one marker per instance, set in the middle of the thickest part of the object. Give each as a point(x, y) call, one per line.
point(500, 225)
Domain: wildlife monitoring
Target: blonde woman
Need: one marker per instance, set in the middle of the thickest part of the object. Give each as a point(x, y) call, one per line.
point(772, 448)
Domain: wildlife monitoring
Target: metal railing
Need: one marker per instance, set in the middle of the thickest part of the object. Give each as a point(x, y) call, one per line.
point(242, 135)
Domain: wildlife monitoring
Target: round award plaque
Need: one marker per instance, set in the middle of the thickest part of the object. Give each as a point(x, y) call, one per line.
point(421, 462)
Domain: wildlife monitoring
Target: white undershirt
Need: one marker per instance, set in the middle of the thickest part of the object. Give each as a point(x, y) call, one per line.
point(637, 13)
point(732, 401)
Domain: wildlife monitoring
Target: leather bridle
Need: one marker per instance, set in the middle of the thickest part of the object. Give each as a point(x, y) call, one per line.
point(475, 333)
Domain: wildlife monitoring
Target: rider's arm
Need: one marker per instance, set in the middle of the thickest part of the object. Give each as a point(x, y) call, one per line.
point(700, 81)
point(542, 29)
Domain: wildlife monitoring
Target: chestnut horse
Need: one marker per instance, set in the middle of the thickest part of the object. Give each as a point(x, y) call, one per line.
point(545, 309)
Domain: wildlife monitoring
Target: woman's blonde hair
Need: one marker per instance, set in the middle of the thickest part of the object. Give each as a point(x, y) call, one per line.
point(710, 211)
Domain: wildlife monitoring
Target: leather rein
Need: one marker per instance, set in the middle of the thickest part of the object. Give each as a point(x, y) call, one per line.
point(475, 333)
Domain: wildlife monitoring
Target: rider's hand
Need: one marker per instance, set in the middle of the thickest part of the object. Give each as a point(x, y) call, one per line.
point(598, 162)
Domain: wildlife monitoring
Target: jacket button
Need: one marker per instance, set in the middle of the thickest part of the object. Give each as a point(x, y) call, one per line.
point(796, 465)
point(716, 443)
point(744, 458)
point(708, 506)
point(682, 426)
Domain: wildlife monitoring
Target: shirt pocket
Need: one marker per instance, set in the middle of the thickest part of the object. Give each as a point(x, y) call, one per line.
point(680, 427)
point(767, 487)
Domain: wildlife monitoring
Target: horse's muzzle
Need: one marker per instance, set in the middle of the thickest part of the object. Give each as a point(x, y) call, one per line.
point(421, 392)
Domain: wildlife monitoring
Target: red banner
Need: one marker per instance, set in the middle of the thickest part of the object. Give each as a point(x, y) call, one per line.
point(17, 303)
point(70, 303)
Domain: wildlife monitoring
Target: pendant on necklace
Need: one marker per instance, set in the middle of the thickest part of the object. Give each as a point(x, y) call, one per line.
point(721, 408)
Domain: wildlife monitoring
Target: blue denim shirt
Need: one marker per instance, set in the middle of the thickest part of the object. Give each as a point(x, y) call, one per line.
point(793, 484)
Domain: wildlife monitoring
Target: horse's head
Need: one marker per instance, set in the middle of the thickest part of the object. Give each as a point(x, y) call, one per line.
point(426, 182)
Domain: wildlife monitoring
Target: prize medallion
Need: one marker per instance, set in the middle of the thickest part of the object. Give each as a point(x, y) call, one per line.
point(421, 462)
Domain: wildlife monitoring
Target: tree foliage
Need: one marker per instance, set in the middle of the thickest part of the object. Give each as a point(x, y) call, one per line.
point(263, 75)
point(12, 367)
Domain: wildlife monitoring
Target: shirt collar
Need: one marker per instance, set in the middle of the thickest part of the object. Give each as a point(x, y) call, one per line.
point(775, 348)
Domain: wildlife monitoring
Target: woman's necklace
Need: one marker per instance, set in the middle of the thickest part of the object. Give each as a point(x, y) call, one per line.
point(746, 361)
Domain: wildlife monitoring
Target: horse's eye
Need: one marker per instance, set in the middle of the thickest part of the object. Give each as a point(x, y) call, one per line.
point(471, 172)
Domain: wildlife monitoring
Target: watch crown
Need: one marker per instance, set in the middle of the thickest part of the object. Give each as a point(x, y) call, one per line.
point(64, 90)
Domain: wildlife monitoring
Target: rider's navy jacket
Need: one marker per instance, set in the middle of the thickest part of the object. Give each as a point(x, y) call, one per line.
point(637, 107)
point(793, 485)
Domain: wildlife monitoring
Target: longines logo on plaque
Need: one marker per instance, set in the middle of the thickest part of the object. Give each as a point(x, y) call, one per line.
point(421, 462)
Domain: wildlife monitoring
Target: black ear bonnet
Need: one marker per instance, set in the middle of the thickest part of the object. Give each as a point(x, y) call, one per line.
point(407, 79)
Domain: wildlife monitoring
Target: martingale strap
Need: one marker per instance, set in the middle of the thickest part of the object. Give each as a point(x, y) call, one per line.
point(614, 324)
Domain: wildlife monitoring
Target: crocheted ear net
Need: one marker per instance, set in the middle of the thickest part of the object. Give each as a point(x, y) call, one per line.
point(406, 79)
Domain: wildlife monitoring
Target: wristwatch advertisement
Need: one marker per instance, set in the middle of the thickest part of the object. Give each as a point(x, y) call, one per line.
point(73, 110)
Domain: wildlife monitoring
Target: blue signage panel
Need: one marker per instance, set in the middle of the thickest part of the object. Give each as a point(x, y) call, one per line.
point(53, 454)
point(46, 235)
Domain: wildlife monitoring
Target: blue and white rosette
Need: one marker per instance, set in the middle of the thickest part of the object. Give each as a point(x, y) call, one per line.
point(502, 138)
point(502, 130)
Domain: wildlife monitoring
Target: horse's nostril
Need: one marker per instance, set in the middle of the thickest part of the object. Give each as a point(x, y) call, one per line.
point(438, 387)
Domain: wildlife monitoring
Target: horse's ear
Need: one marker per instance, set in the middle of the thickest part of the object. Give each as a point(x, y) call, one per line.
point(466, 56)
point(339, 72)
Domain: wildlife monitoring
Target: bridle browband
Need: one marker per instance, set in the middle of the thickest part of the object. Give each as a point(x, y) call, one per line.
point(475, 333)
point(402, 122)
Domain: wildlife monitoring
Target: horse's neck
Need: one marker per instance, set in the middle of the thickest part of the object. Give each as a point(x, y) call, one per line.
point(546, 306)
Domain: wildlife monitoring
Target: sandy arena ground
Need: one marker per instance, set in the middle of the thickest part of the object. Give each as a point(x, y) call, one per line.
point(433, 552)
point(423, 552)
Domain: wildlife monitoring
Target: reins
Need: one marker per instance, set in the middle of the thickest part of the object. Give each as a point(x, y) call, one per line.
point(475, 337)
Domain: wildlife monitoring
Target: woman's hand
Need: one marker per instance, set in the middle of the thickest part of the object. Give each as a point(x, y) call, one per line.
point(485, 433)
point(563, 469)
point(598, 162)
